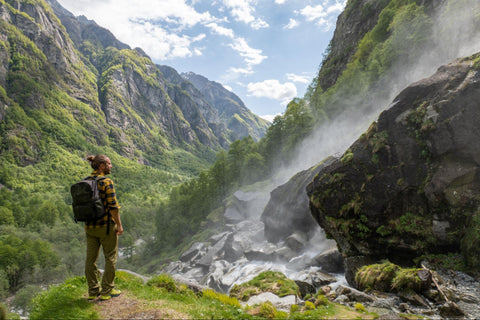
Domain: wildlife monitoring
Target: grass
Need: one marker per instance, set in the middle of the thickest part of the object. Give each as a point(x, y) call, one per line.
point(173, 300)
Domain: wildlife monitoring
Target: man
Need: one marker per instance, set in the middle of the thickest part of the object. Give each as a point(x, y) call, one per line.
point(103, 232)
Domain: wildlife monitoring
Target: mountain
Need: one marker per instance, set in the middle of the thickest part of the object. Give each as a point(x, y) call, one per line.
point(231, 109)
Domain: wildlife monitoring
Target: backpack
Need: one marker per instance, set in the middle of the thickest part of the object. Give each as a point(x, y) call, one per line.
point(86, 202)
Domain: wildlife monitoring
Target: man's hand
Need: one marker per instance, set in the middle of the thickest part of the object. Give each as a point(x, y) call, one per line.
point(119, 230)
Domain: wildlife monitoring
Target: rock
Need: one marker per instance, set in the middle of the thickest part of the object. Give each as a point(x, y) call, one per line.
point(215, 275)
point(330, 261)
point(287, 210)
point(296, 241)
point(301, 262)
point(305, 288)
point(325, 290)
point(314, 277)
point(384, 180)
point(233, 215)
point(194, 251)
point(285, 254)
point(451, 310)
point(414, 298)
point(266, 252)
point(212, 253)
point(282, 304)
point(353, 294)
point(342, 299)
point(191, 284)
point(233, 249)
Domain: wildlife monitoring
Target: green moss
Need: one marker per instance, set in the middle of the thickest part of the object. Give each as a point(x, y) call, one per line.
point(269, 281)
point(347, 156)
point(376, 276)
point(471, 241)
point(388, 277)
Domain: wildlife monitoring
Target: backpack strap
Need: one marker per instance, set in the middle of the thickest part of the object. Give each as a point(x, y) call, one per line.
point(97, 179)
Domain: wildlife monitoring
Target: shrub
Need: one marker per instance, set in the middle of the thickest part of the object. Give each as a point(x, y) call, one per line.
point(221, 297)
point(267, 310)
point(163, 281)
point(359, 307)
point(309, 305)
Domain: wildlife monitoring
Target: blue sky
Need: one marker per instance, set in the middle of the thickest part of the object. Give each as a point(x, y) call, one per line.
point(265, 51)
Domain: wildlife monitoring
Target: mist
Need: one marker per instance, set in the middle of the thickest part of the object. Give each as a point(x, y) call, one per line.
point(454, 36)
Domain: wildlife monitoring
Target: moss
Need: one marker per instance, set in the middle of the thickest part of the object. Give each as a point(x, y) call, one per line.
point(269, 281)
point(347, 157)
point(376, 276)
point(388, 277)
point(471, 241)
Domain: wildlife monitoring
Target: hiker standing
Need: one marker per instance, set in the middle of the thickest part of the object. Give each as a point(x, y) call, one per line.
point(103, 232)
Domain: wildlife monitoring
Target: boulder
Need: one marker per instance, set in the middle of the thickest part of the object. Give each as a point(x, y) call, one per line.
point(280, 303)
point(330, 261)
point(195, 250)
point(409, 185)
point(287, 211)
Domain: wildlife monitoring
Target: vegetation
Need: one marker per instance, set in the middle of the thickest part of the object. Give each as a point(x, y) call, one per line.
point(68, 301)
point(388, 277)
point(268, 281)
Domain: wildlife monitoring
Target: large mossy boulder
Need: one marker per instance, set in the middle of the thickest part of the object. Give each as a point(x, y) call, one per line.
point(410, 185)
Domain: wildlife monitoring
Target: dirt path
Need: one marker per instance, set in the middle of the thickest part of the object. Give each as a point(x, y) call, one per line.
point(126, 306)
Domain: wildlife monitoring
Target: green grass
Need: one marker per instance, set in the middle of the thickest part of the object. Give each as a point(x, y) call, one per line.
point(68, 301)
point(65, 301)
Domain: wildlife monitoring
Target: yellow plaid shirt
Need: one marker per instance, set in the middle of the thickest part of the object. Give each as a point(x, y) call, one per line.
point(107, 194)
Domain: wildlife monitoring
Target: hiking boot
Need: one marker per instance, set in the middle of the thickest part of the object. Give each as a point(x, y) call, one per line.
point(93, 297)
point(113, 293)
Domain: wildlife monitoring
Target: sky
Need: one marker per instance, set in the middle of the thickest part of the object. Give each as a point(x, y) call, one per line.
point(265, 51)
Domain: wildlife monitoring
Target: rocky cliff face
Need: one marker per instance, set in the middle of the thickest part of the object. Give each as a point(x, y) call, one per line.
point(409, 186)
point(231, 110)
point(358, 18)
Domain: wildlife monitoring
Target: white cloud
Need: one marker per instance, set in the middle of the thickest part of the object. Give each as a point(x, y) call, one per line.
point(298, 78)
point(280, 1)
point(242, 10)
point(221, 30)
point(270, 117)
point(251, 55)
point(291, 24)
point(137, 24)
point(273, 89)
point(321, 14)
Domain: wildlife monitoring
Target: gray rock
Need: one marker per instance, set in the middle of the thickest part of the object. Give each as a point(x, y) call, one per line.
point(282, 304)
point(330, 261)
point(194, 251)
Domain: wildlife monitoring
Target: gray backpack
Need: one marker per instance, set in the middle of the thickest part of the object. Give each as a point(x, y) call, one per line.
point(86, 202)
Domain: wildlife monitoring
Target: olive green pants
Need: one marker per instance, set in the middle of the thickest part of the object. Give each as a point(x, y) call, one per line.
point(109, 242)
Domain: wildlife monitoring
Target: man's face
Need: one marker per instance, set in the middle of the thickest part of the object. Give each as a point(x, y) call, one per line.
point(107, 166)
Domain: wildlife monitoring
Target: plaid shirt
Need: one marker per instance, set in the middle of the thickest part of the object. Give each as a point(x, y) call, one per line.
point(107, 193)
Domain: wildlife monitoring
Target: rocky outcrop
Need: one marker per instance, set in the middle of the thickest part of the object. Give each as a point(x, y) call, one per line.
point(409, 186)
